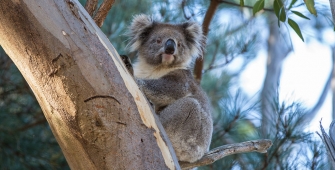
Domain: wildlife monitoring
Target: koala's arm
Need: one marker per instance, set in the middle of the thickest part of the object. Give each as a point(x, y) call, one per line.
point(166, 89)
point(127, 63)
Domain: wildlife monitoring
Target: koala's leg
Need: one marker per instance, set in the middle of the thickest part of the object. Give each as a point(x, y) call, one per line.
point(189, 128)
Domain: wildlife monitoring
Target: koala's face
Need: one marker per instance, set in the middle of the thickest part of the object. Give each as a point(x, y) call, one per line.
point(165, 44)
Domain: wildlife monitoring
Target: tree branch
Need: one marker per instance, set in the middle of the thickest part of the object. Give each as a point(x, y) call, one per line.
point(91, 6)
point(310, 114)
point(198, 68)
point(217, 153)
point(205, 28)
point(64, 38)
point(245, 6)
point(332, 8)
point(103, 11)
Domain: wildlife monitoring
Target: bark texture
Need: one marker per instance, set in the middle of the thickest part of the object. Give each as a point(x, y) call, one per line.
point(103, 11)
point(91, 6)
point(215, 154)
point(95, 110)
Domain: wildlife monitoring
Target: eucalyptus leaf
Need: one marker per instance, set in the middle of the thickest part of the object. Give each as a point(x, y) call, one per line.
point(300, 14)
point(279, 10)
point(295, 27)
point(310, 6)
point(277, 4)
point(292, 3)
point(259, 5)
point(242, 3)
point(282, 14)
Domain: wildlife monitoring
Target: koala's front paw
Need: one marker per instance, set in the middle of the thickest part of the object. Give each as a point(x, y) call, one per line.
point(127, 63)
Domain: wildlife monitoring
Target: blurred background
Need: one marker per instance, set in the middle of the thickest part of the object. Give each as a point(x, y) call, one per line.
point(263, 82)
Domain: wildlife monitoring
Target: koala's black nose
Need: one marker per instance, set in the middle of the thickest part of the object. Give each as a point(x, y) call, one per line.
point(170, 46)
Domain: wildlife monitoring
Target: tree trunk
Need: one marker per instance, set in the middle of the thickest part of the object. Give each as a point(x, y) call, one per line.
point(94, 108)
point(332, 8)
point(277, 52)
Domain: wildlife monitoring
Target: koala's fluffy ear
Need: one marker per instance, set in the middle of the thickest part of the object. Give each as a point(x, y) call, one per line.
point(194, 37)
point(139, 30)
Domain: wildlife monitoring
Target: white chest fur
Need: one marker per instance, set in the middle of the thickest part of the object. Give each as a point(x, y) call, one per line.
point(143, 70)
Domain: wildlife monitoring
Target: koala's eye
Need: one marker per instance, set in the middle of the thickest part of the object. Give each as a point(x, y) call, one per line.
point(158, 41)
point(179, 44)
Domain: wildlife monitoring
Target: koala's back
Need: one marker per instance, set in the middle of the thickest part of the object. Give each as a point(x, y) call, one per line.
point(195, 91)
point(188, 120)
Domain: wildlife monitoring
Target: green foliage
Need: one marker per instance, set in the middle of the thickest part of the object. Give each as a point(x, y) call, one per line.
point(295, 27)
point(299, 14)
point(292, 3)
point(291, 144)
point(259, 5)
point(279, 10)
point(241, 3)
point(310, 6)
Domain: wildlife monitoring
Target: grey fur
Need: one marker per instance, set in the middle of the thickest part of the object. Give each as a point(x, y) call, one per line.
point(181, 104)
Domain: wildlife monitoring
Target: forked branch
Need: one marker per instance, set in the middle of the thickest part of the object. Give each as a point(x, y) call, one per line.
point(205, 28)
point(91, 6)
point(100, 15)
point(217, 153)
point(103, 10)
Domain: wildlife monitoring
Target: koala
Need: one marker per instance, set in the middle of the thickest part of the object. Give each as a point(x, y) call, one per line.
point(165, 53)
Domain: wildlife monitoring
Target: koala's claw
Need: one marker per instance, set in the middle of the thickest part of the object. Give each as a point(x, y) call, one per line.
point(127, 63)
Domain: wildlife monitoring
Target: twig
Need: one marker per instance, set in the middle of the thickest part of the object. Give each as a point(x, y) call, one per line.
point(103, 11)
point(230, 126)
point(91, 6)
point(229, 59)
point(215, 54)
point(37, 122)
point(211, 67)
point(246, 6)
point(217, 153)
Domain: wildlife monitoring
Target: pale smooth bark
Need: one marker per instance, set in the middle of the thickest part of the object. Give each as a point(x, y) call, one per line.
point(94, 108)
point(329, 140)
point(332, 8)
point(278, 49)
point(215, 154)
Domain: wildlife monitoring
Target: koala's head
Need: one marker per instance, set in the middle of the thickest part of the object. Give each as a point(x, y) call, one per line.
point(162, 44)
